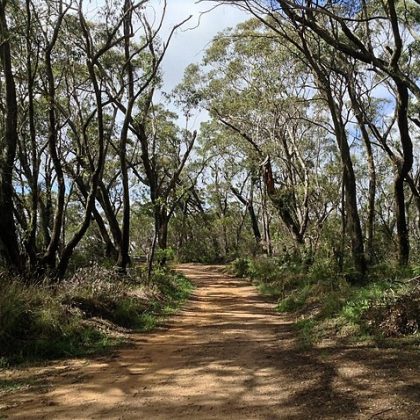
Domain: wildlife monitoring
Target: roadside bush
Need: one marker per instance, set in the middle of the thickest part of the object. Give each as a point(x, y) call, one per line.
point(273, 276)
point(395, 315)
point(380, 309)
point(171, 285)
point(322, 269)
point(34, 323)
point(265, 269)
point(100, 292)
point(332, 304)
point(262, 269)
point(294, 300)
point(41, 321)
point(240, 267)
point(165, 255)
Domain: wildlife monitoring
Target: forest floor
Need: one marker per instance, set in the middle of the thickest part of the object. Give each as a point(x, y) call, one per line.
point(226, 355)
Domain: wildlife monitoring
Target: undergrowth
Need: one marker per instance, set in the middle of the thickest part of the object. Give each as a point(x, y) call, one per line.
point(89, 313)
point(385, 310)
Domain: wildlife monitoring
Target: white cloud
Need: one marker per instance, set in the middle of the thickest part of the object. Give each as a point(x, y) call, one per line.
point(188, 44)
point(190, 41)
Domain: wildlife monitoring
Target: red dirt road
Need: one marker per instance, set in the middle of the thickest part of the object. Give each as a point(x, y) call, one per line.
point(227, 355)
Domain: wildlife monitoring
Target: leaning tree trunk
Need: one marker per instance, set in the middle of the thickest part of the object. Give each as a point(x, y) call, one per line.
point(110, 249)
point(9, 246)
point(49, 258)
point(284, 204)
point(161, 228)
point(404, 167)
point(249, 204)
point(266, 221)
point(370, 223)
point(349, 182)
point(96, 176)
point(30, 242)
point(103, 199)
point(123, 256)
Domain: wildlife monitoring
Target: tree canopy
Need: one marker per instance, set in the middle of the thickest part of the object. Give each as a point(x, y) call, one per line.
point(310, 149)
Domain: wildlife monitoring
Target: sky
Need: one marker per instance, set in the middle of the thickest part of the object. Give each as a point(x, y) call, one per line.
point(189, 43)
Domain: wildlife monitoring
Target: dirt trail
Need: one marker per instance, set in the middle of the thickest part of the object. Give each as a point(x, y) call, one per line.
point(227, 355)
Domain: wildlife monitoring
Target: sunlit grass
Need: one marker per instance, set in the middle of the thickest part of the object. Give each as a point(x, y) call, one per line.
point(329, 306)
point(40, 322)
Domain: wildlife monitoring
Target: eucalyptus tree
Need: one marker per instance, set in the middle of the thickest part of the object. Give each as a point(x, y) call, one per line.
point(380, 35)
point(32, 44)
point(236, 176)
point(77, 89)
point(130, 89)
point(164, 151)
point(260, 94)
point(10, 249)
point(248, 201)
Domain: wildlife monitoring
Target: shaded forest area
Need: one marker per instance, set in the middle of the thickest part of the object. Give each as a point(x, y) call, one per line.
point(305, 176)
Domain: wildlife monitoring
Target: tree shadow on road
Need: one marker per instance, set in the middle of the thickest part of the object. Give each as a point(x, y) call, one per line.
point(227, 355)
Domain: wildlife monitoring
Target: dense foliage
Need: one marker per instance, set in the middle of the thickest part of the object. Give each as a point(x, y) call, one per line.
point(314, 139)
point(385, 311)
point(82, 137)
point(310, 150)
point(308, 161)
point(93, 311)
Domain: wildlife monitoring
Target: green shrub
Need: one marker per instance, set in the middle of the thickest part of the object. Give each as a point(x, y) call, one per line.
point(240, 267)
point(174, 286)
point(306, 328)
point(265, 269)
point(416, 270)
point(272, 275)
point(38, 321)
point(165, 255)
point(393, 314)
point(322, 269)
point(361, 298)
point(334, 303)
point(34, 324)
point(295, 300)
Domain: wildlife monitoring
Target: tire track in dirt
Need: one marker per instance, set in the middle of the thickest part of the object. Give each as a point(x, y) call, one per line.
point(226, 355)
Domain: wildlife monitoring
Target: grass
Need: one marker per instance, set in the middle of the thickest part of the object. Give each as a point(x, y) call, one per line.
point(89, 313)
point(370, 313)
point(10, 385)
point(294, 300)
point(385, 311)
point(306, 328)
point(176, 291)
